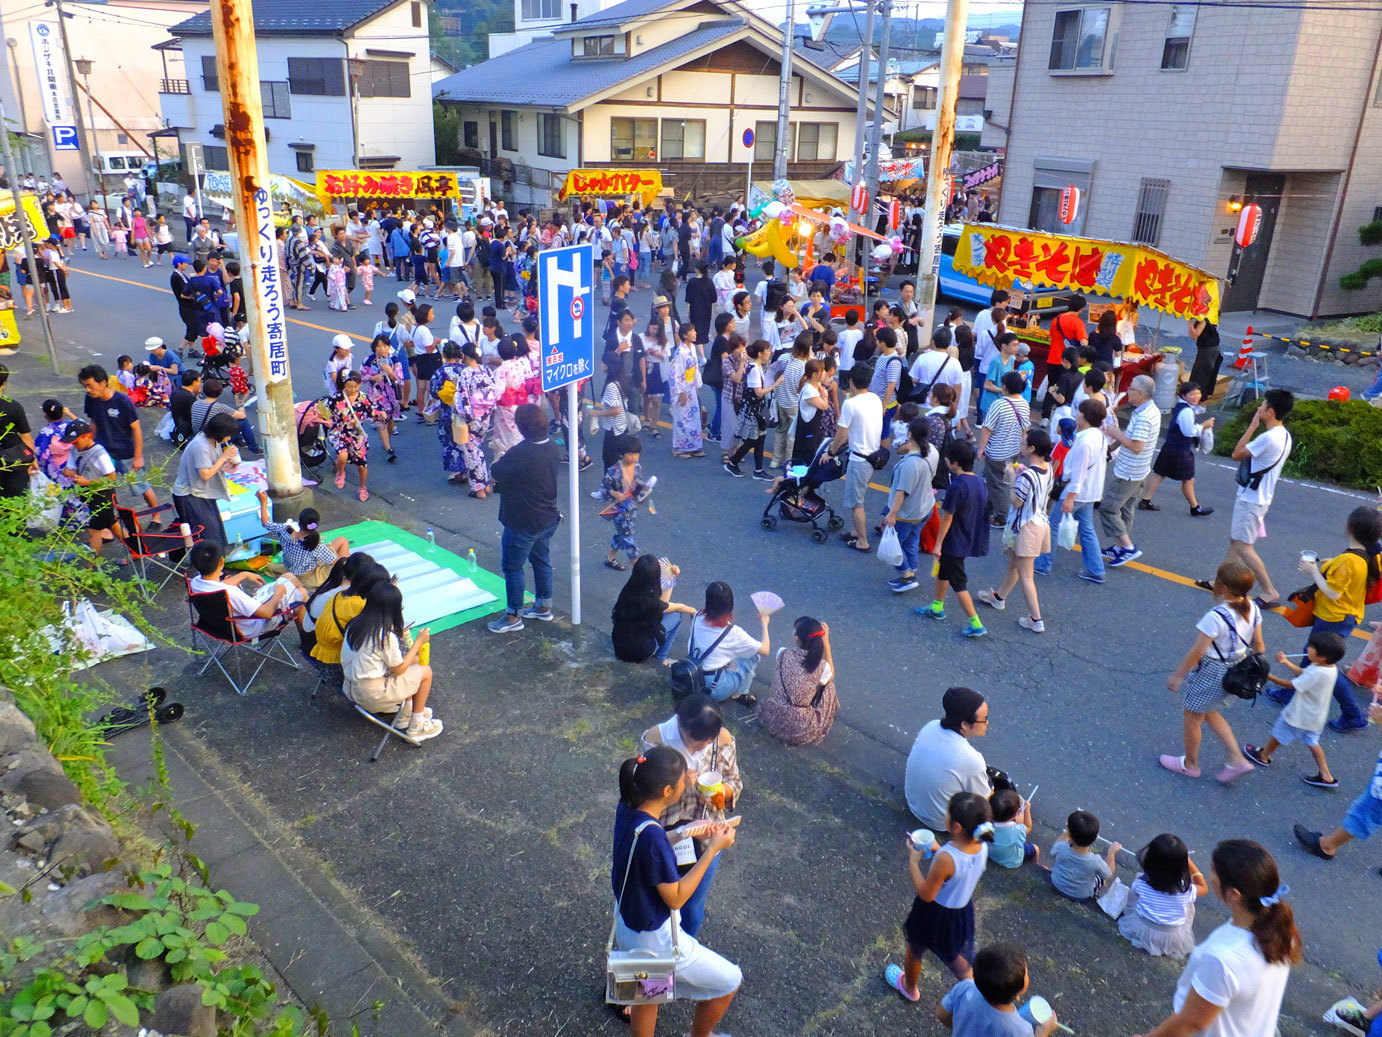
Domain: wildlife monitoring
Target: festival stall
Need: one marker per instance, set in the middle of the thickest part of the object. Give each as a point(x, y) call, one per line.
point(646, 184)
point(287, 195)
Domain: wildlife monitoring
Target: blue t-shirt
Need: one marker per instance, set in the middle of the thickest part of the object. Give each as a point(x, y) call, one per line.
point(170, 359)
point(822, 273)
point(1009, 842)
point(975, 1017)
point(654, 863)
point(967, 499)
point(112, 421)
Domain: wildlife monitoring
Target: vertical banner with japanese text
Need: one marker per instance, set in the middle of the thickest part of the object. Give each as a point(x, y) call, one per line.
point(270, 288)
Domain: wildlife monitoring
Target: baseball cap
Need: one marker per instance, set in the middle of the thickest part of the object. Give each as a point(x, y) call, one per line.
point(407, 295)
point(427, 223)
point(153, 342)
point(486, 222)
point(342, 342)
point(1023, 349)
point(75, 430)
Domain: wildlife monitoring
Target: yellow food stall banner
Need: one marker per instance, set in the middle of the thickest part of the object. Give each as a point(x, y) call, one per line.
point(351, 183)
point(10, 238)
point(997, 256)
point(612, 183)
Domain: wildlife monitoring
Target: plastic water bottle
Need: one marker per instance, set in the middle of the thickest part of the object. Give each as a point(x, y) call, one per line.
point(239, 551)
point(431, 539)
point(470, 560)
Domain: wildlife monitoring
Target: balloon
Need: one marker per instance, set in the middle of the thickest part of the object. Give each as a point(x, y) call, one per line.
point(778, 244)
point(895, 244)
point(839, 230)
point(773, 210)
point(883, 251)
point(782, 191)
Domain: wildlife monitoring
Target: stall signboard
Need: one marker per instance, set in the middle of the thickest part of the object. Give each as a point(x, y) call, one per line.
point(352, 183)
point(11, 236)
point(612, 183)
point(983, 174)
point(997, 256)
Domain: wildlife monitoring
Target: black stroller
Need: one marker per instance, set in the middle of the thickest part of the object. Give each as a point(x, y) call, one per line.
point(796, 500)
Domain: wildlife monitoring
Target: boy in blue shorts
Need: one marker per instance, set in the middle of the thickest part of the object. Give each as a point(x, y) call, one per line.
point(1364, 816)
point(1304, 716)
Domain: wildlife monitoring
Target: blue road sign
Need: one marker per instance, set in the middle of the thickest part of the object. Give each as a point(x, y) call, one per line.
point(566, 304)
point(748, 138)
point(65, 138)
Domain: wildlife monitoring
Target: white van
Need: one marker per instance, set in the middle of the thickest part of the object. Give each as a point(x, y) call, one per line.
point(119, 163)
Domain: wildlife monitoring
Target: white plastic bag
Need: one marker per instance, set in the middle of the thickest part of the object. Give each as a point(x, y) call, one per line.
point(1067, 532)
point(49, 497)
point(889, 547)
point(1114, 898)
point(164, 428)
point(1207, 441)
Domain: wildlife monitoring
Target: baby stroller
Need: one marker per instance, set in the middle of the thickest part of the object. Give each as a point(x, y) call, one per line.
point(218, 358)
point(796, 500)
point(311, 428)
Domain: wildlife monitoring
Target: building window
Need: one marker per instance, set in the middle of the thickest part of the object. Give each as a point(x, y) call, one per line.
point(211, 83)
point(683, 139)
point(551, 141)
point(121, 138)
point(816, 141)
point(764, 141)
point(969, 106)
point(320, 77)
point(508, 131)
point(417, 14)
point(470, 132)
point(216, 158)
point(1151, 210)
point(541, 10)
point(385, 79)
point(275, 99)
point(1175, 55)
point(1080, 40)
point(601, 46)
point(924, 98)
point(305, 164)
point(634, 139)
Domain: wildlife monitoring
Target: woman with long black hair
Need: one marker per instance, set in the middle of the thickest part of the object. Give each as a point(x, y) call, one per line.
point(645, 619)
point(801, 705)
point(379, 675)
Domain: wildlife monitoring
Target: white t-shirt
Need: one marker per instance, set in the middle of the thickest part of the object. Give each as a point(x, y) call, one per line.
point(189, 207)
point(1269, 453)
point(941, 764)
point(1228, 970)
point(423, 339)
point(1309, 706)
point(810, 401)
point(862, 417)
point(1230, 645)
point(373, 660)
point(937, 364)
point(738, 643)
point(241, 604)
point(455, 248)
point(374, 244)
point(847, 340)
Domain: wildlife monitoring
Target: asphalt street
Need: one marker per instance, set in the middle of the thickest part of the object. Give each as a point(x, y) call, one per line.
point(1081, 710)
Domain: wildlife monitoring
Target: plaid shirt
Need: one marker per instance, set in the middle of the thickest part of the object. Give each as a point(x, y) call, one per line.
point(296, 558)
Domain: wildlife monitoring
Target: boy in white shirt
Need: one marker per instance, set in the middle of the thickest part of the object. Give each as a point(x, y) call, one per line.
point(252, 614)
point(1303, 718)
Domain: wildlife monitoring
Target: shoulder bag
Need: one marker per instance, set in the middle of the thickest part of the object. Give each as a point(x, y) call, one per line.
point(1246, 477)
point(638, 977)
point(1248, 676)
point(686, 675)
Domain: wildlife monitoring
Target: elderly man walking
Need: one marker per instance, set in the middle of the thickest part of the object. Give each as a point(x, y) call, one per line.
point(1132, 465)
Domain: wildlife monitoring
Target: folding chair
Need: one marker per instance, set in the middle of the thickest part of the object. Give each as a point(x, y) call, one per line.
point(155, 557)
point(333, 674)
point(211, 621)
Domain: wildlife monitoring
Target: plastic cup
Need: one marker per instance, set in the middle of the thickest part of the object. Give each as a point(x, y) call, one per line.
point(922, 839)
point(1309, 556)
point(1036, 1011)
point(711, 786)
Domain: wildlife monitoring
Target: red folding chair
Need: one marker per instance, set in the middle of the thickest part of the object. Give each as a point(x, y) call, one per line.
point(219, 633)
point(155, 557)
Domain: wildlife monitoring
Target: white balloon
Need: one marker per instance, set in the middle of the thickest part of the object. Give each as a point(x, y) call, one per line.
point(774, 210)
point(882, 251)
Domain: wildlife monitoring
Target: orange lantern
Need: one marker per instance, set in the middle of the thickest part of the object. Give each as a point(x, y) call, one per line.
point(1249, 224)
point(895, 214)
point(859, 198)
point(1069, 204)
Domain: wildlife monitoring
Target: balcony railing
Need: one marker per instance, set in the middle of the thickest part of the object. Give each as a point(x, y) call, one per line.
point(174, 86)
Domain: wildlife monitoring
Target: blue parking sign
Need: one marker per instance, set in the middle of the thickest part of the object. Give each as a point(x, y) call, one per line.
point(566, 299)
point(65, 139)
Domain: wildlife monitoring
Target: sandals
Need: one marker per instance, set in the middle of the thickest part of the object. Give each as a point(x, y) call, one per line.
point(363, 495)
point(893, 976)
point(1266, 605)
point(1205, 585)
point(1176, 765)
point(617, 566)
point(745, 699)
point(340, 480)
point(479, 495)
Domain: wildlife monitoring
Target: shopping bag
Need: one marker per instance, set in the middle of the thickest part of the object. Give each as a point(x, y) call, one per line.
point(49, 497)
point(1364, 671)
point(889, 547)
point(1207, 441)
point(164, 428)
point(1114, 899)
point(1067, 532)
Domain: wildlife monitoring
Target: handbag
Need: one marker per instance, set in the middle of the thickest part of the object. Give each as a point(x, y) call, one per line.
point(1246, 477)
point(639, 977)
point(1248, 676)
point(1300, 607)
point(460, 430)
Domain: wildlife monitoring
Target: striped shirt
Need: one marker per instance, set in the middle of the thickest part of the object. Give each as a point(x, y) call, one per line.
point(1007, 419)
point(1161, 908)
point(886, 369)
point(1143, 427)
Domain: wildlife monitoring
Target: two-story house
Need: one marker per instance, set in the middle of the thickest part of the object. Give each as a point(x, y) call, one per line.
point(665, 84)
point(534, 20)
point(345, 85)
point(1170, 118)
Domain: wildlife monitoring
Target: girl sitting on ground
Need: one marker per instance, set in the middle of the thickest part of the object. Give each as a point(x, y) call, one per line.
point(1160, 913)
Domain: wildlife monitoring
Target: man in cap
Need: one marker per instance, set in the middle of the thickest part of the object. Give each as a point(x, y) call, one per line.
point(91, 468)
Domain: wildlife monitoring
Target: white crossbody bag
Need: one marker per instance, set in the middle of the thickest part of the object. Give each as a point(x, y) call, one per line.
point(639, 977)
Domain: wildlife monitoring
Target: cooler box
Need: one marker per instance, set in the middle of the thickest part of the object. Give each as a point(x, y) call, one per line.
point(240, 517)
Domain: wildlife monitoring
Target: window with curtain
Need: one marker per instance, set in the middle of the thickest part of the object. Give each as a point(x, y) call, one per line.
point(634, 139)
point(1079, 41)
point(683, 139)
point(1175, 54)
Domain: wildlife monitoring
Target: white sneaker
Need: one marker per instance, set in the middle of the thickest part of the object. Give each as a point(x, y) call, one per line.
point(403, 718)
point(423, 728)
point(597, 494)
point(992, 600)
point(1036, 626)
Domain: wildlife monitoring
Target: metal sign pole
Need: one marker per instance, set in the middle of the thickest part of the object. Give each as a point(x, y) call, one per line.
point(573, 439)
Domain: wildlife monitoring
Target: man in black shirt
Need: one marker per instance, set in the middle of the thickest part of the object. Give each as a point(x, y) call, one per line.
point(526, 478)
point(180, 406)
point(16, 444)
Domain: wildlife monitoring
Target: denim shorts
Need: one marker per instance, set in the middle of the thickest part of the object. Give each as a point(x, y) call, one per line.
point(1287, 733)
point(1364, 815)
point(125, 467)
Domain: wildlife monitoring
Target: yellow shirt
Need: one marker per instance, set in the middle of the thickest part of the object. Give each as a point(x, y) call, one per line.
point(331, 626)
point(1348, 574)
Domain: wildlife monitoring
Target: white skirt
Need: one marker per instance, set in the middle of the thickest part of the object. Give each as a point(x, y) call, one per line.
point(702, 975)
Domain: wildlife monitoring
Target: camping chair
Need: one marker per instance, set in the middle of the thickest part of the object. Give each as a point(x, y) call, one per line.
point(155, 557)
point(379, 720)
point(212, 622)
point(332, 672)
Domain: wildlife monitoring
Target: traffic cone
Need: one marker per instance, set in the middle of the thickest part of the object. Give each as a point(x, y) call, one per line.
point(1242, 360)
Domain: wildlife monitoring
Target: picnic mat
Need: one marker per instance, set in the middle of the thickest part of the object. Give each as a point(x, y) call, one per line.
point(439, 590)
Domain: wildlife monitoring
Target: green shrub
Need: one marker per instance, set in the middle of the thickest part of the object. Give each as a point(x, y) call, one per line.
point(1332, 441)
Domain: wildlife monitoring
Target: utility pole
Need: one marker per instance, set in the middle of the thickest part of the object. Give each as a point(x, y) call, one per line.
point(84, 146)
point(784, 96)
point(237, 66)
point(938, 176)
point(862, 108)
point(26, 232)
point(84, 67)
point(875, 140)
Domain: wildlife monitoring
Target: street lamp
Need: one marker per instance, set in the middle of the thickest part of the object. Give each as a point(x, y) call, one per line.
point(355, 69)
point(84, 70)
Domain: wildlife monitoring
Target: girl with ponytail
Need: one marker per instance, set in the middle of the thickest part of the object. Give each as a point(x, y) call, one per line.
point(942, 915)
point(1236, 978)
point(648, 891)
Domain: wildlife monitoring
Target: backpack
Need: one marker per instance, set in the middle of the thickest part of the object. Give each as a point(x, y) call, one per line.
point(774, 296)
point(1248, 676)
point(686, 675)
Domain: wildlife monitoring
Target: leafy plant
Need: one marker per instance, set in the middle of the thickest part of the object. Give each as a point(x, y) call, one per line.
point(1368, 234)
point(1332, 441)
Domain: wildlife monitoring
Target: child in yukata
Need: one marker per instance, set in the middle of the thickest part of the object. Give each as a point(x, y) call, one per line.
point(625, 487)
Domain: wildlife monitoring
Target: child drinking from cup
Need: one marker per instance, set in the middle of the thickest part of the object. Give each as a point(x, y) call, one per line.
point(942, 915)
point(1012, 824)
point(986, 1004)
point(1160, 913)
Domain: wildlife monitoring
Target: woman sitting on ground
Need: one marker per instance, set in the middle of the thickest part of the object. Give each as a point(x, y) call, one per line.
point(800, 706)
point(304, 554)
point(728, 653)
point(379, 675)
point(645, 619)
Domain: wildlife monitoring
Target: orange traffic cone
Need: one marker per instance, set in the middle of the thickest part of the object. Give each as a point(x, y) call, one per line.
point(1242, 360)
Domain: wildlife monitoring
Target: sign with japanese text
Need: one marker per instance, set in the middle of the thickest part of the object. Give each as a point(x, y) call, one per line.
point(11, 236)
point(270, 286)
point(351, 183)
point(612, 183)
point(998, 256)
point(983, 174)
point(49, 66)
point(566, 299)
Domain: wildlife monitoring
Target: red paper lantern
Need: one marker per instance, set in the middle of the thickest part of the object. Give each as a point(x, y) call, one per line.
point(895, 214)
point(1249, 223)
point(859, 199)
point(1069, 204)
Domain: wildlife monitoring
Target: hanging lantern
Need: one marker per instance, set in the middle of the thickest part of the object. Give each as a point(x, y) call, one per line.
point(1249, 224)
point(1069, 204)
point(859, 198)
point(894, 214)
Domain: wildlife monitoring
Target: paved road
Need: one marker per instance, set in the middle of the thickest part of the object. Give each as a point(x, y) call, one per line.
point(1081, 710)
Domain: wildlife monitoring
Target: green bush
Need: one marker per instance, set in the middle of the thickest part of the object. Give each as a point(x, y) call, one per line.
point(1332, 441)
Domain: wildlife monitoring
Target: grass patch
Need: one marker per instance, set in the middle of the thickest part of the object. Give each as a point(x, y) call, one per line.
point(1362, 330)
